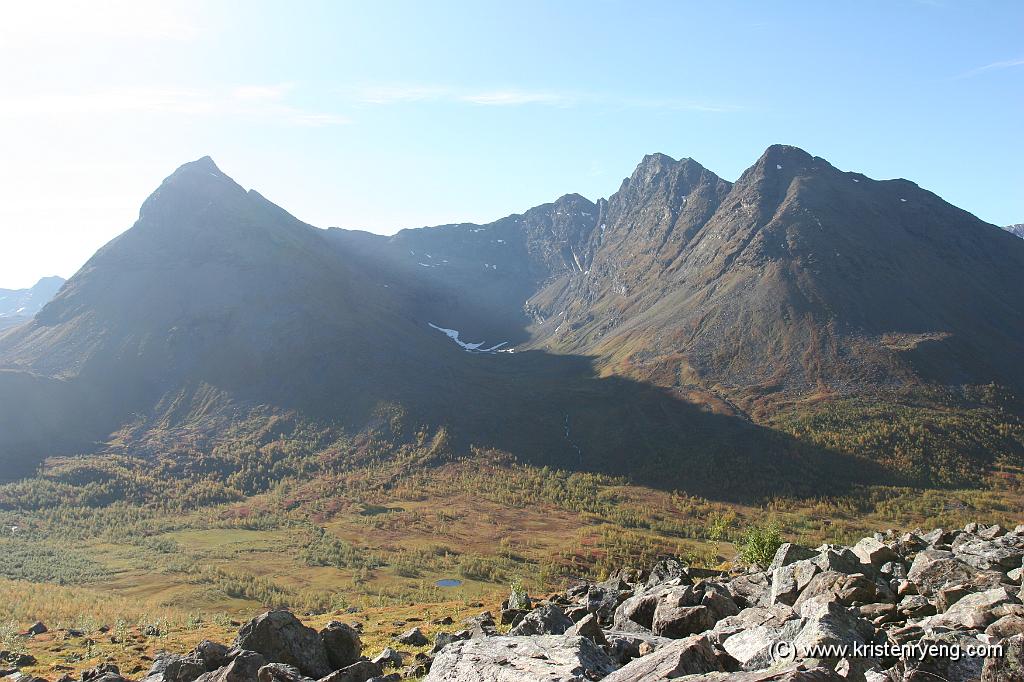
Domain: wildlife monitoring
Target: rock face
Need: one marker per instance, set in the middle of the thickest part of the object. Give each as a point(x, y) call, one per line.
point(553, 658)
point(281, 638)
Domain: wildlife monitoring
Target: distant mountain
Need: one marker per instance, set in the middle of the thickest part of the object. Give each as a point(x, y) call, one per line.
point(20, 305)
point(628, 335)
point(1017, 229)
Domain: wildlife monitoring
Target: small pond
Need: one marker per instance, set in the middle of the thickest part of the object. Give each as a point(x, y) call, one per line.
point(449, 582)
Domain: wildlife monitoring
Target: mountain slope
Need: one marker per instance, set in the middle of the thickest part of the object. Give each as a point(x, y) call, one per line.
point(19, 305)
point(643, 327)
point(1017, 229)
point(804, 277)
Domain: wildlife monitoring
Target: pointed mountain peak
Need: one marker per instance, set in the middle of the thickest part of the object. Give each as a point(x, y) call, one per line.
point(194, 183)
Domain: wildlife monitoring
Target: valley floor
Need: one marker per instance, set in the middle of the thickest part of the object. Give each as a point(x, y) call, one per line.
point(369, 546)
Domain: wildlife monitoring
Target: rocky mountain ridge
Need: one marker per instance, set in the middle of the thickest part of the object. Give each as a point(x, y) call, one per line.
point(652, 320)
point(894, 607)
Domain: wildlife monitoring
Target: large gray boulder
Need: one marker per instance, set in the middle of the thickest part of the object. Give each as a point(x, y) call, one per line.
point(281, 638)
point(974, 611)
point(243, 667)
point(544, 620)
point(789, 553)
point(1001, 553)
point(933, 569)
point(206, 657)
point(755, 648)
point(668, 570)
point(874, 553)
point(928, 668)
point(342, 644)
point(825, 623)
point(623, 647)
point(789, 580)
point(553, 658)
point(280, 672)
point(1010, 666)
point(751, 589)
point(360, 671)
point(690, 656)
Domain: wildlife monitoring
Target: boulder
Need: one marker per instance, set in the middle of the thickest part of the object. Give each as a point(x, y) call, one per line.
point(754, 648)
point(840, 559)
point(623, 647)
point(1001, 554)
point(553, 658)
point(873, 553)
point(796, 672)
point(443, 639)
point(751, 589)
point(280, 672)
point(637, 610)
point(667, 570)
point(360, 671)
point(177, 668)
point(789, 580)
point(680, 621)
point(342, 644)
point(718, 601)
point(825, 623)
point(933, 569)
point(545, 620)
point(1010, 666)
point(481, 625)
point(588, 627)
point(787, 554)
point(37, 628)
point(243, 667)
point(388, 657)
point(973, 612)
point(1006, 627)
point(602, 601)
point(412, 637)
point(928, 668)
point(690, 656)
point(281, 638)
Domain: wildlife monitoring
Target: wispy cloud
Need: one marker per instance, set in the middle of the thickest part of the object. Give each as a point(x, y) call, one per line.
point(506, 97)
point(994, 66)
point(253, 101)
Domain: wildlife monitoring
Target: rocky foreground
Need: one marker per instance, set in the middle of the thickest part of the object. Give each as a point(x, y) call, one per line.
point(943, 605)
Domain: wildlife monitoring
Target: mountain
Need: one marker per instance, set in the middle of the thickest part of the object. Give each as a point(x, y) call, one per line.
point(20, 305)
point(1017, 229)
point(630, 335)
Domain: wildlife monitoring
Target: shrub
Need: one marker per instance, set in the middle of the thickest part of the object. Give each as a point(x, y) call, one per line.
point(760, 544)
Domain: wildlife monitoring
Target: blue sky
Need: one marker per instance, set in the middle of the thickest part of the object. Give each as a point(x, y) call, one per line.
point(383, 115)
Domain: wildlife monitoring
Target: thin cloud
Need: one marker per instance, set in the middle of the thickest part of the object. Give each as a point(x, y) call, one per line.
point(508, 97)
point(504, 98)
point(994, 66)
point(254, 101)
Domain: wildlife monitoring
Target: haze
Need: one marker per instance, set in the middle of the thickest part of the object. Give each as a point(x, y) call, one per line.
point(389, 115)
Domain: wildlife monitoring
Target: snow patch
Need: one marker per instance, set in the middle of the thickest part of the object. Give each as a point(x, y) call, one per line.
point(778, 166)
point(453, 334)
point(856, 180)
point(903, 200)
